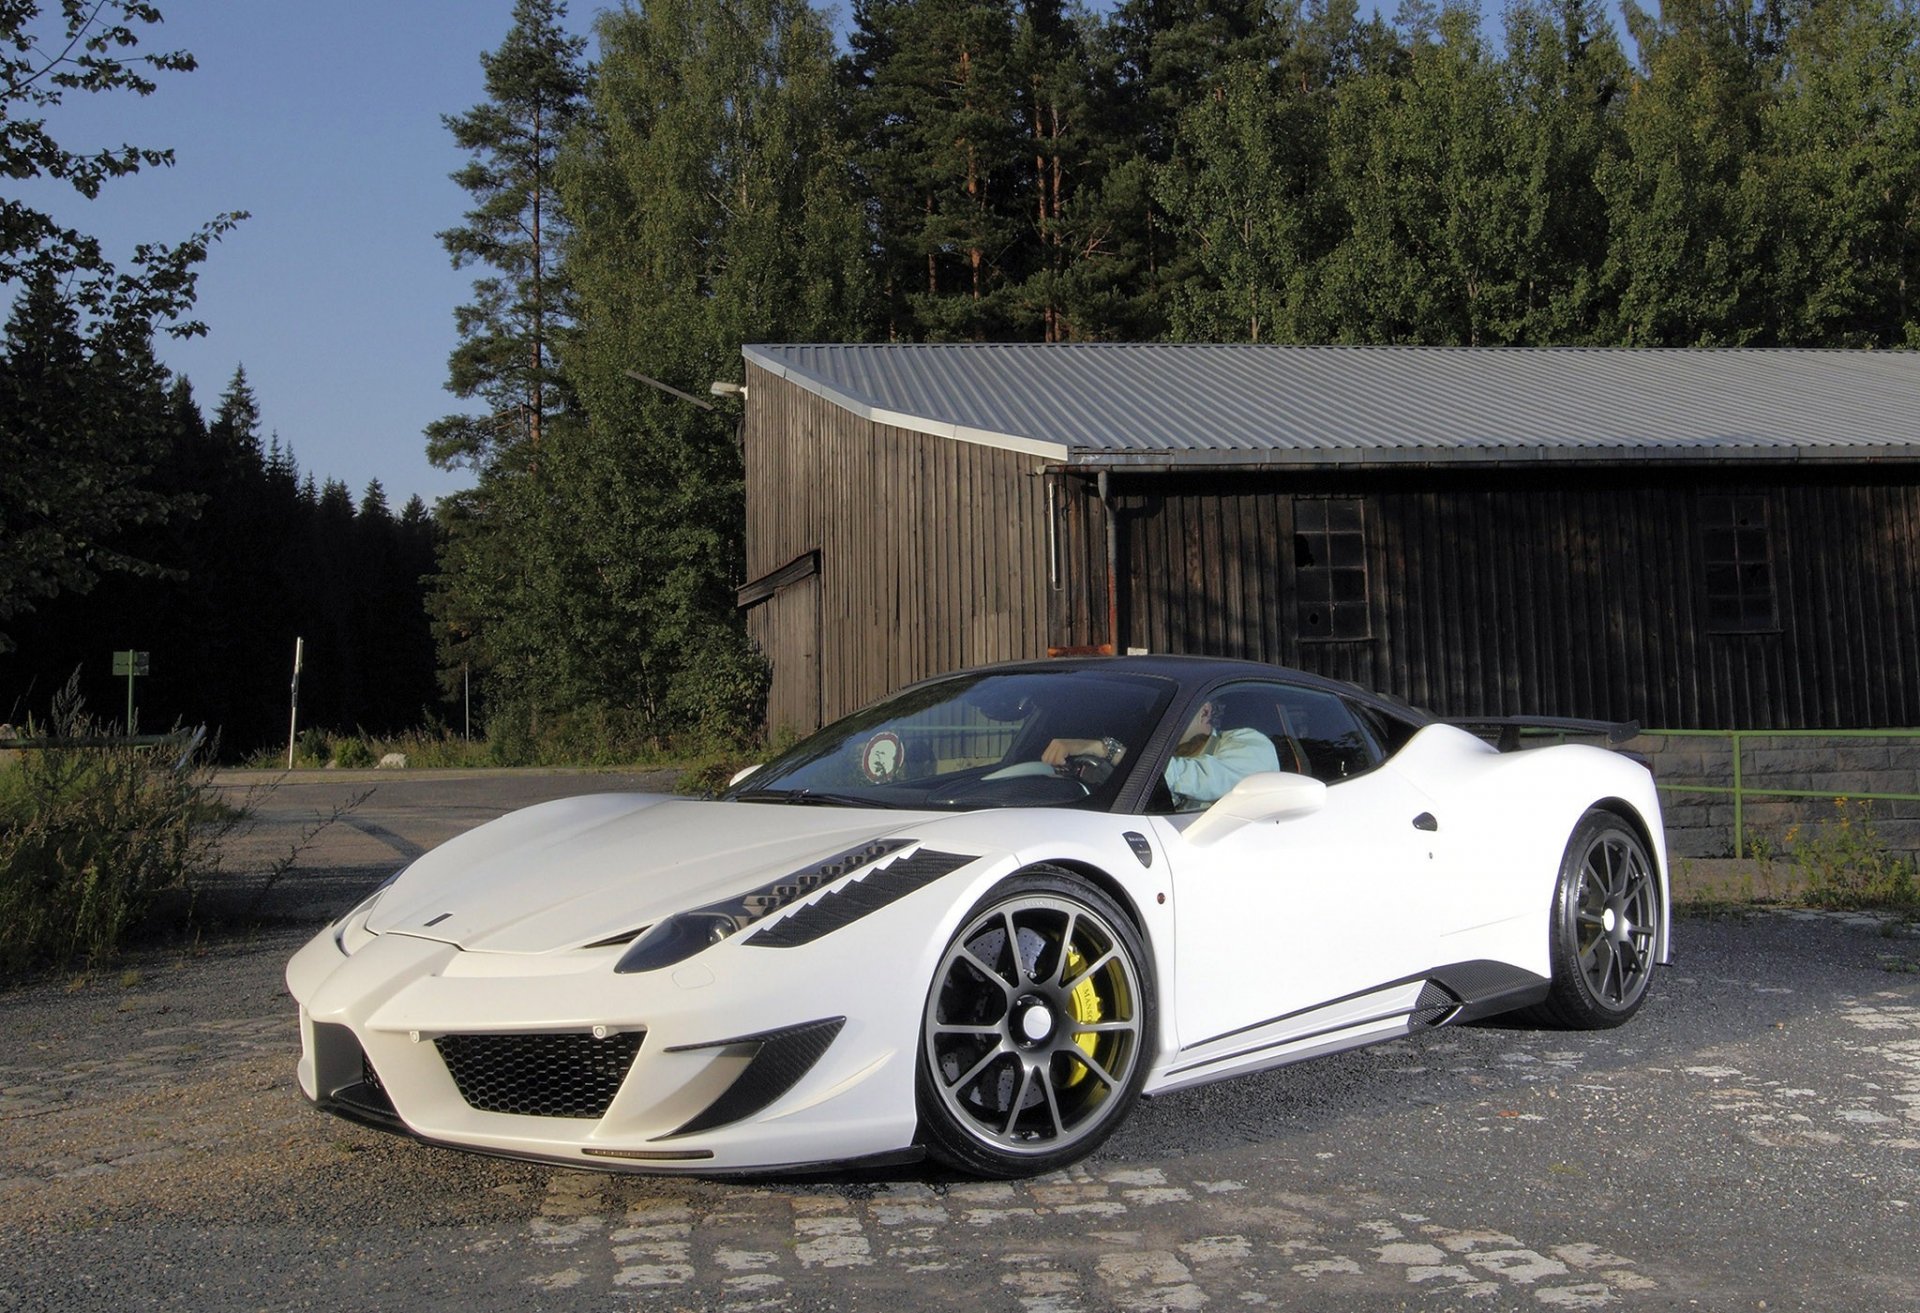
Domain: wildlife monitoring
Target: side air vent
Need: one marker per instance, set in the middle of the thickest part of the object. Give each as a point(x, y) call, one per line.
point(868, 894)
point(1434, 1006)
point(550, 1075)
point(346, 1077)
point(780, 1059)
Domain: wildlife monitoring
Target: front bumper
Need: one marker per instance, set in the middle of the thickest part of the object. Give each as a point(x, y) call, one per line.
point(746, 1059)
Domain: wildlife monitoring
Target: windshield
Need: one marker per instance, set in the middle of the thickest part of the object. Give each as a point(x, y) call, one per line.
point(969, 742)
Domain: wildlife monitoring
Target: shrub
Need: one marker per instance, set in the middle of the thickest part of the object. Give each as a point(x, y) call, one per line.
point(91, 836)
point(1845, 862)
point(353, 752)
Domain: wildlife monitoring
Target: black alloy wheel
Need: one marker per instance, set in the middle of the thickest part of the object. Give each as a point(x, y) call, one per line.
point(1606, 926)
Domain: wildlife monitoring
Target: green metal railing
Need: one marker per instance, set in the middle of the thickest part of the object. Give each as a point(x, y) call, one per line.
point(1740, 791)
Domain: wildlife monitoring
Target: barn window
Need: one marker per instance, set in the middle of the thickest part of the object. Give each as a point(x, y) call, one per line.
point(1330, 568)
point(1738, 553)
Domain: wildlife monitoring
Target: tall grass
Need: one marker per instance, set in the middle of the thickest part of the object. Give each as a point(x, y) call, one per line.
point(91, 837)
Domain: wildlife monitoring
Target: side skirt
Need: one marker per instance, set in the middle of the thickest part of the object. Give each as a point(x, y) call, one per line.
point(1462, 991)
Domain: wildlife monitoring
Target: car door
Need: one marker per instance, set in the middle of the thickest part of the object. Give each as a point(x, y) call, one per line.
point(1277, 920)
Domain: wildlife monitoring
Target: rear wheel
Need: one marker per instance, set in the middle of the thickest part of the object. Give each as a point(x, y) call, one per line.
point(1034, 1039)
point(1606, 926)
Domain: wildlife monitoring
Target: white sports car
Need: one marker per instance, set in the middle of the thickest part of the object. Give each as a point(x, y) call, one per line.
point(981, 917)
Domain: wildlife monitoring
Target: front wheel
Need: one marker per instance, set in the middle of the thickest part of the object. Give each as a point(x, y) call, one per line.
point(1035, 1038)
point(1606, 926)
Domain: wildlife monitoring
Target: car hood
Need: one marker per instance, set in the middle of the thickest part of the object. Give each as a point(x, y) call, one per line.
point(580, 870)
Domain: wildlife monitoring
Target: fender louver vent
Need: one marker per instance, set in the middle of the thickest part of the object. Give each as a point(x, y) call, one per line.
point(868, 894)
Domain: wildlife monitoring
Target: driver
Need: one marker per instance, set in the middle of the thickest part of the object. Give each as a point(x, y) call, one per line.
point(1208, 762)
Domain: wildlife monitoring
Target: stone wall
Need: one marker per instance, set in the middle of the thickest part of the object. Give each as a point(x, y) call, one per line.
point(1701, 825)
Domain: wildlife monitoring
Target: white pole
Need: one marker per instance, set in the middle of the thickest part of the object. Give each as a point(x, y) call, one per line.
point(466, 688)
point(293, 716)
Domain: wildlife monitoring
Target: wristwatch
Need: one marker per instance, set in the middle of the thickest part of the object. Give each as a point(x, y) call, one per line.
point(1113, 748)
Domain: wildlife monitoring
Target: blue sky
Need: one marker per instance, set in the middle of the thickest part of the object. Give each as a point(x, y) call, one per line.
point(323, 121)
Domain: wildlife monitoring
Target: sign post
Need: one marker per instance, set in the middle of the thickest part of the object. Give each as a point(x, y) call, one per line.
point(293, 716)
point(131, 664)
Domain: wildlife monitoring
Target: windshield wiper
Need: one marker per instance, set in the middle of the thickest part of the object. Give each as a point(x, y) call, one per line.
point(809, 798)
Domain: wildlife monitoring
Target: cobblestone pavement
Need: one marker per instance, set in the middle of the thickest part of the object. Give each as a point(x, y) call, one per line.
point(1751, 1140)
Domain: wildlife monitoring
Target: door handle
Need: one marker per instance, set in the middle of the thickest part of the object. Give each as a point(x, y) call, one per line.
point(1425, 821)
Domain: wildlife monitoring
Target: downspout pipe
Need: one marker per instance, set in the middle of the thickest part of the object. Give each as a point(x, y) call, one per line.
point(1105, 490)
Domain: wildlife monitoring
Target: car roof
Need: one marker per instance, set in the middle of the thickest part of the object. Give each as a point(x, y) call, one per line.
point(1193, 673)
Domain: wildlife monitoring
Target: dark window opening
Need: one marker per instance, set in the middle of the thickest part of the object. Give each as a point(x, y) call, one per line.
point(1330, 569)
point(1737, 551)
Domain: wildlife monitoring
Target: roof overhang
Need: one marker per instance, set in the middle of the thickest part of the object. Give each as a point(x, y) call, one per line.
point(1187, 462)
point(1629, 444)
point(1053, 451)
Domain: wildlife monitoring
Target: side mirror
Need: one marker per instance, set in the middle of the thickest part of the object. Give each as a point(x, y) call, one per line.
point(1267, 796)
point(742, 774)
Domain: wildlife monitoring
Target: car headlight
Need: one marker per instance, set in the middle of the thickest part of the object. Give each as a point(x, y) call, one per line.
point(678, 937)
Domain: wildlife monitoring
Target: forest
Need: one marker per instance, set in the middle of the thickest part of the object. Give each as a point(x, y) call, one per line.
point(1711, 173)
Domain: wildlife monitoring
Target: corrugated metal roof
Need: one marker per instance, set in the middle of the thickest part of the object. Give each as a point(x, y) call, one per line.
point(1140, 404)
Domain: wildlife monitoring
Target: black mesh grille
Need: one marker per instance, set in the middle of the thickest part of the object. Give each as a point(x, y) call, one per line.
point(370, 1077)
point(572, 1075)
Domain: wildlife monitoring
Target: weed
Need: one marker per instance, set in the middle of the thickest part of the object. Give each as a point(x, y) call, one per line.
point(1846, 864)
point(91, 836)
point(129, 979)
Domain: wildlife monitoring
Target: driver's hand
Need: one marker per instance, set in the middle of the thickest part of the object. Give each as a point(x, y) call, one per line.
point(1060, 749)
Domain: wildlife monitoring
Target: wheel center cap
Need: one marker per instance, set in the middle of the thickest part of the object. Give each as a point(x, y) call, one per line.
point(1036, 1022)
point(1608, 920)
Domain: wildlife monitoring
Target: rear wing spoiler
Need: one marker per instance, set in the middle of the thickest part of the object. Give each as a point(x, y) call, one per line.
point(1507, 730)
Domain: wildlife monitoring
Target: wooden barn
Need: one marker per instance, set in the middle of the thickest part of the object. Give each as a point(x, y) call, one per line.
point(1690, 539)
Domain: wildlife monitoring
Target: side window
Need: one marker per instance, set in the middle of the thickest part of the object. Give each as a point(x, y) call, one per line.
point(1328, 734)
point(1389, 731)
point(1313, 733)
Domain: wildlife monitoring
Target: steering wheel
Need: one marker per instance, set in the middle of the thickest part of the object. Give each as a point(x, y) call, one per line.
point(1089, 771)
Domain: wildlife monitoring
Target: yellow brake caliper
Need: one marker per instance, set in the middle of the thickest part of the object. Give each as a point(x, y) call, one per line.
point(1086, 1010)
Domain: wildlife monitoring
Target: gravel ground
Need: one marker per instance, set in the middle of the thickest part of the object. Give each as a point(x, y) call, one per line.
point(1751, 1140)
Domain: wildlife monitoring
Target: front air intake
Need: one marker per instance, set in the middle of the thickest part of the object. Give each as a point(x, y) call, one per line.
point(563, 1075)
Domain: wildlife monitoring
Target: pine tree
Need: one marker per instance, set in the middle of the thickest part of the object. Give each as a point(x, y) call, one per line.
point(235, 431)
point(71, 484)
point(943, 156)
point(81, 425)
point(536, 85)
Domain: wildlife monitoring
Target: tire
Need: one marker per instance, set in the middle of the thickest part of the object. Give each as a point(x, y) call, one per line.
point(1035, 1037)
point(1606, 927)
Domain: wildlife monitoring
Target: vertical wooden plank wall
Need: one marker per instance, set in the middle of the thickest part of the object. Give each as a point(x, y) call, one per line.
point(1572, 592)
point(932, 551)
point(1569, 591)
